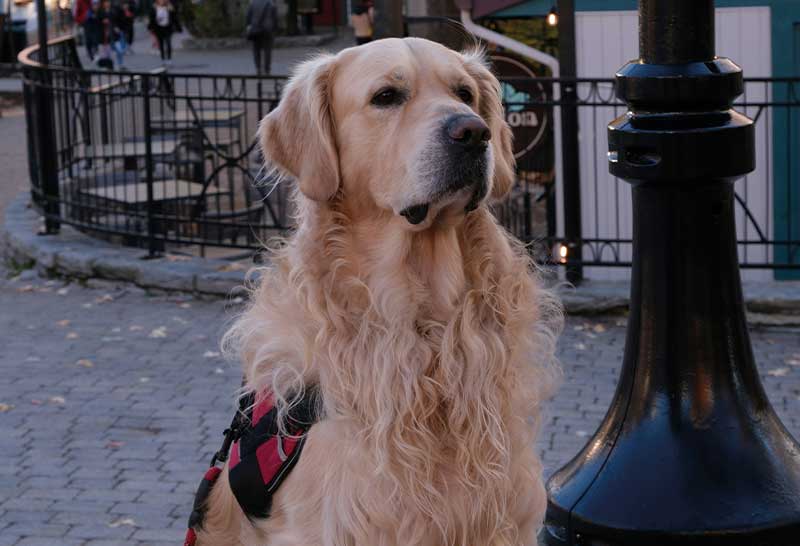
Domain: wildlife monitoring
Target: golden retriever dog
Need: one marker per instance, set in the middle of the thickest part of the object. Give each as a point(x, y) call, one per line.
point(422, 324)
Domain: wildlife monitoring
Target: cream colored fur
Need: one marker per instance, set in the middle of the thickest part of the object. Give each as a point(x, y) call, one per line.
point(433, 346)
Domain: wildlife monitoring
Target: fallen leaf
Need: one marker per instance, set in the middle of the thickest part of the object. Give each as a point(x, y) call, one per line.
point(136, 328)
point(793, 361)
point(185, 306)
point(58, 400)
point(26, 288)
point(36, 402)
point(5, 407)
point(599, 328)
point(159, 332)
point(85, 363)
point(113, 444)
point(778, 372)
point(210, 354)
point(63, 323)
point(105, 298)
point(578, 328)
point(62, 291)
point(73, 335)
point(177, 258)
point(235, 266)
point(128, 522)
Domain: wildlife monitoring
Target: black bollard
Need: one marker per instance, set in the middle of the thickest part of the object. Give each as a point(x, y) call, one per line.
point(690, 451)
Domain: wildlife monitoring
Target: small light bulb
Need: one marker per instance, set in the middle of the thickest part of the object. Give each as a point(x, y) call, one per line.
point(563, 251)
point(552, 18)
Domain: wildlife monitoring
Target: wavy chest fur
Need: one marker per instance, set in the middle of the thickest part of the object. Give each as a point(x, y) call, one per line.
point(426, 344)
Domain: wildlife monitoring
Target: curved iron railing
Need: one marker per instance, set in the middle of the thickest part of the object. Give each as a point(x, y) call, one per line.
point(155, 159)
point(149, 158)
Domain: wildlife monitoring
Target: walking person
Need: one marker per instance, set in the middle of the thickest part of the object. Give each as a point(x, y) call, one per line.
point(105, 27)
point(127, 20)
point(262, 21)
point(85, 15)
point(362, 19)
point(163, 24)
point(119, 37)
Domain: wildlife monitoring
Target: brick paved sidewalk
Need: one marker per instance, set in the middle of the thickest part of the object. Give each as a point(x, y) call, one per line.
point(112, 402)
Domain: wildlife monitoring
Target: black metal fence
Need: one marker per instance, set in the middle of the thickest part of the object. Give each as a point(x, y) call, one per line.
point(151, 159)
point(156, 159)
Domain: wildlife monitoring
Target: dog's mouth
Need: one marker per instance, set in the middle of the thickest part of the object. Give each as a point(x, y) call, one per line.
point(474, 193)
point(416, 214)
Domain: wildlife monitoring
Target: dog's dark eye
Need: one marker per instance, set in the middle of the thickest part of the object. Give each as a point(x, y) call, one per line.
point(465, 95)
point(389, 96)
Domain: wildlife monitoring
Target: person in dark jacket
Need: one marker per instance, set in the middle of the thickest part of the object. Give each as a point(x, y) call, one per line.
point(125, 17)
point(163, 24)
point(262, 21)
point(85, 15)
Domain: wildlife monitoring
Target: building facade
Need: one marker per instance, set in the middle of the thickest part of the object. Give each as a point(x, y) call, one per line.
point(763, 37)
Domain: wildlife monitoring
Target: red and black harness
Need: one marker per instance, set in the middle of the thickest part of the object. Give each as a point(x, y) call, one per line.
point(260, 457)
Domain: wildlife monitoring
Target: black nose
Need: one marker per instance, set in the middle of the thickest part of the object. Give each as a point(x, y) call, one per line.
point(468, 131)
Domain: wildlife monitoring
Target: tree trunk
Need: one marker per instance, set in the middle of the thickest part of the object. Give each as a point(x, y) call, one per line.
point(388, 19)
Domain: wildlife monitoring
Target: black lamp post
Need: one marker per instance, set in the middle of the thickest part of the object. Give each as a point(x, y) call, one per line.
point(690, 452)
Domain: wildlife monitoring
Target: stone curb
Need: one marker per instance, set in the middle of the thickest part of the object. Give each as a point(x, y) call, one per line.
point(767, 303)
point(76, 255)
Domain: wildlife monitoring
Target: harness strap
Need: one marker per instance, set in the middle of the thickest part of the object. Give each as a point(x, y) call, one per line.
point(232, 433)
point(260, 456)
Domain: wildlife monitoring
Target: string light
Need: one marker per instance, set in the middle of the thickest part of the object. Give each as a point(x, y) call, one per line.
point(552, 17)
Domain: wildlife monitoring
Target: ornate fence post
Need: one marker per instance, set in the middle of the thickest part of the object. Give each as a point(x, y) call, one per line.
point(690, 452)
point(570, 160)
point(152, 243)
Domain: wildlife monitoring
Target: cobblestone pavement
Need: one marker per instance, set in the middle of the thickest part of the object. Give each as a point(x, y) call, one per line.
point(112, 401)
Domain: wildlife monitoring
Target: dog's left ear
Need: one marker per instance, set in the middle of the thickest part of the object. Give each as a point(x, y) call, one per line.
point(490, 107)
point(299, 135)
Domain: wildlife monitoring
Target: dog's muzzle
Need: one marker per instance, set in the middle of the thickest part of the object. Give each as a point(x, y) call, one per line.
point(463, 163)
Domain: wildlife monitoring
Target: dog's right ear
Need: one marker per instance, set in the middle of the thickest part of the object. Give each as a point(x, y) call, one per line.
point(299, 135)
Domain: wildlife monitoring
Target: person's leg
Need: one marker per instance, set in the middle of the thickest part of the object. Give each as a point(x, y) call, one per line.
point(257, 53)
point(161, 38)
point(120, 47)
point(268, 54)
point(91, 46)
point(168, 40)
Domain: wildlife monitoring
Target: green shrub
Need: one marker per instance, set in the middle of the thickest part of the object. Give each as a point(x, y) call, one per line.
point(214, 18)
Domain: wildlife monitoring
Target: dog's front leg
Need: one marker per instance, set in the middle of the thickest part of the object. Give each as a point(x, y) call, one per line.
point(222, 525)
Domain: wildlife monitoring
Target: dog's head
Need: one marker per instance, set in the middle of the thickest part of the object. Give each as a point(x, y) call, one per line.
point(407, 126)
